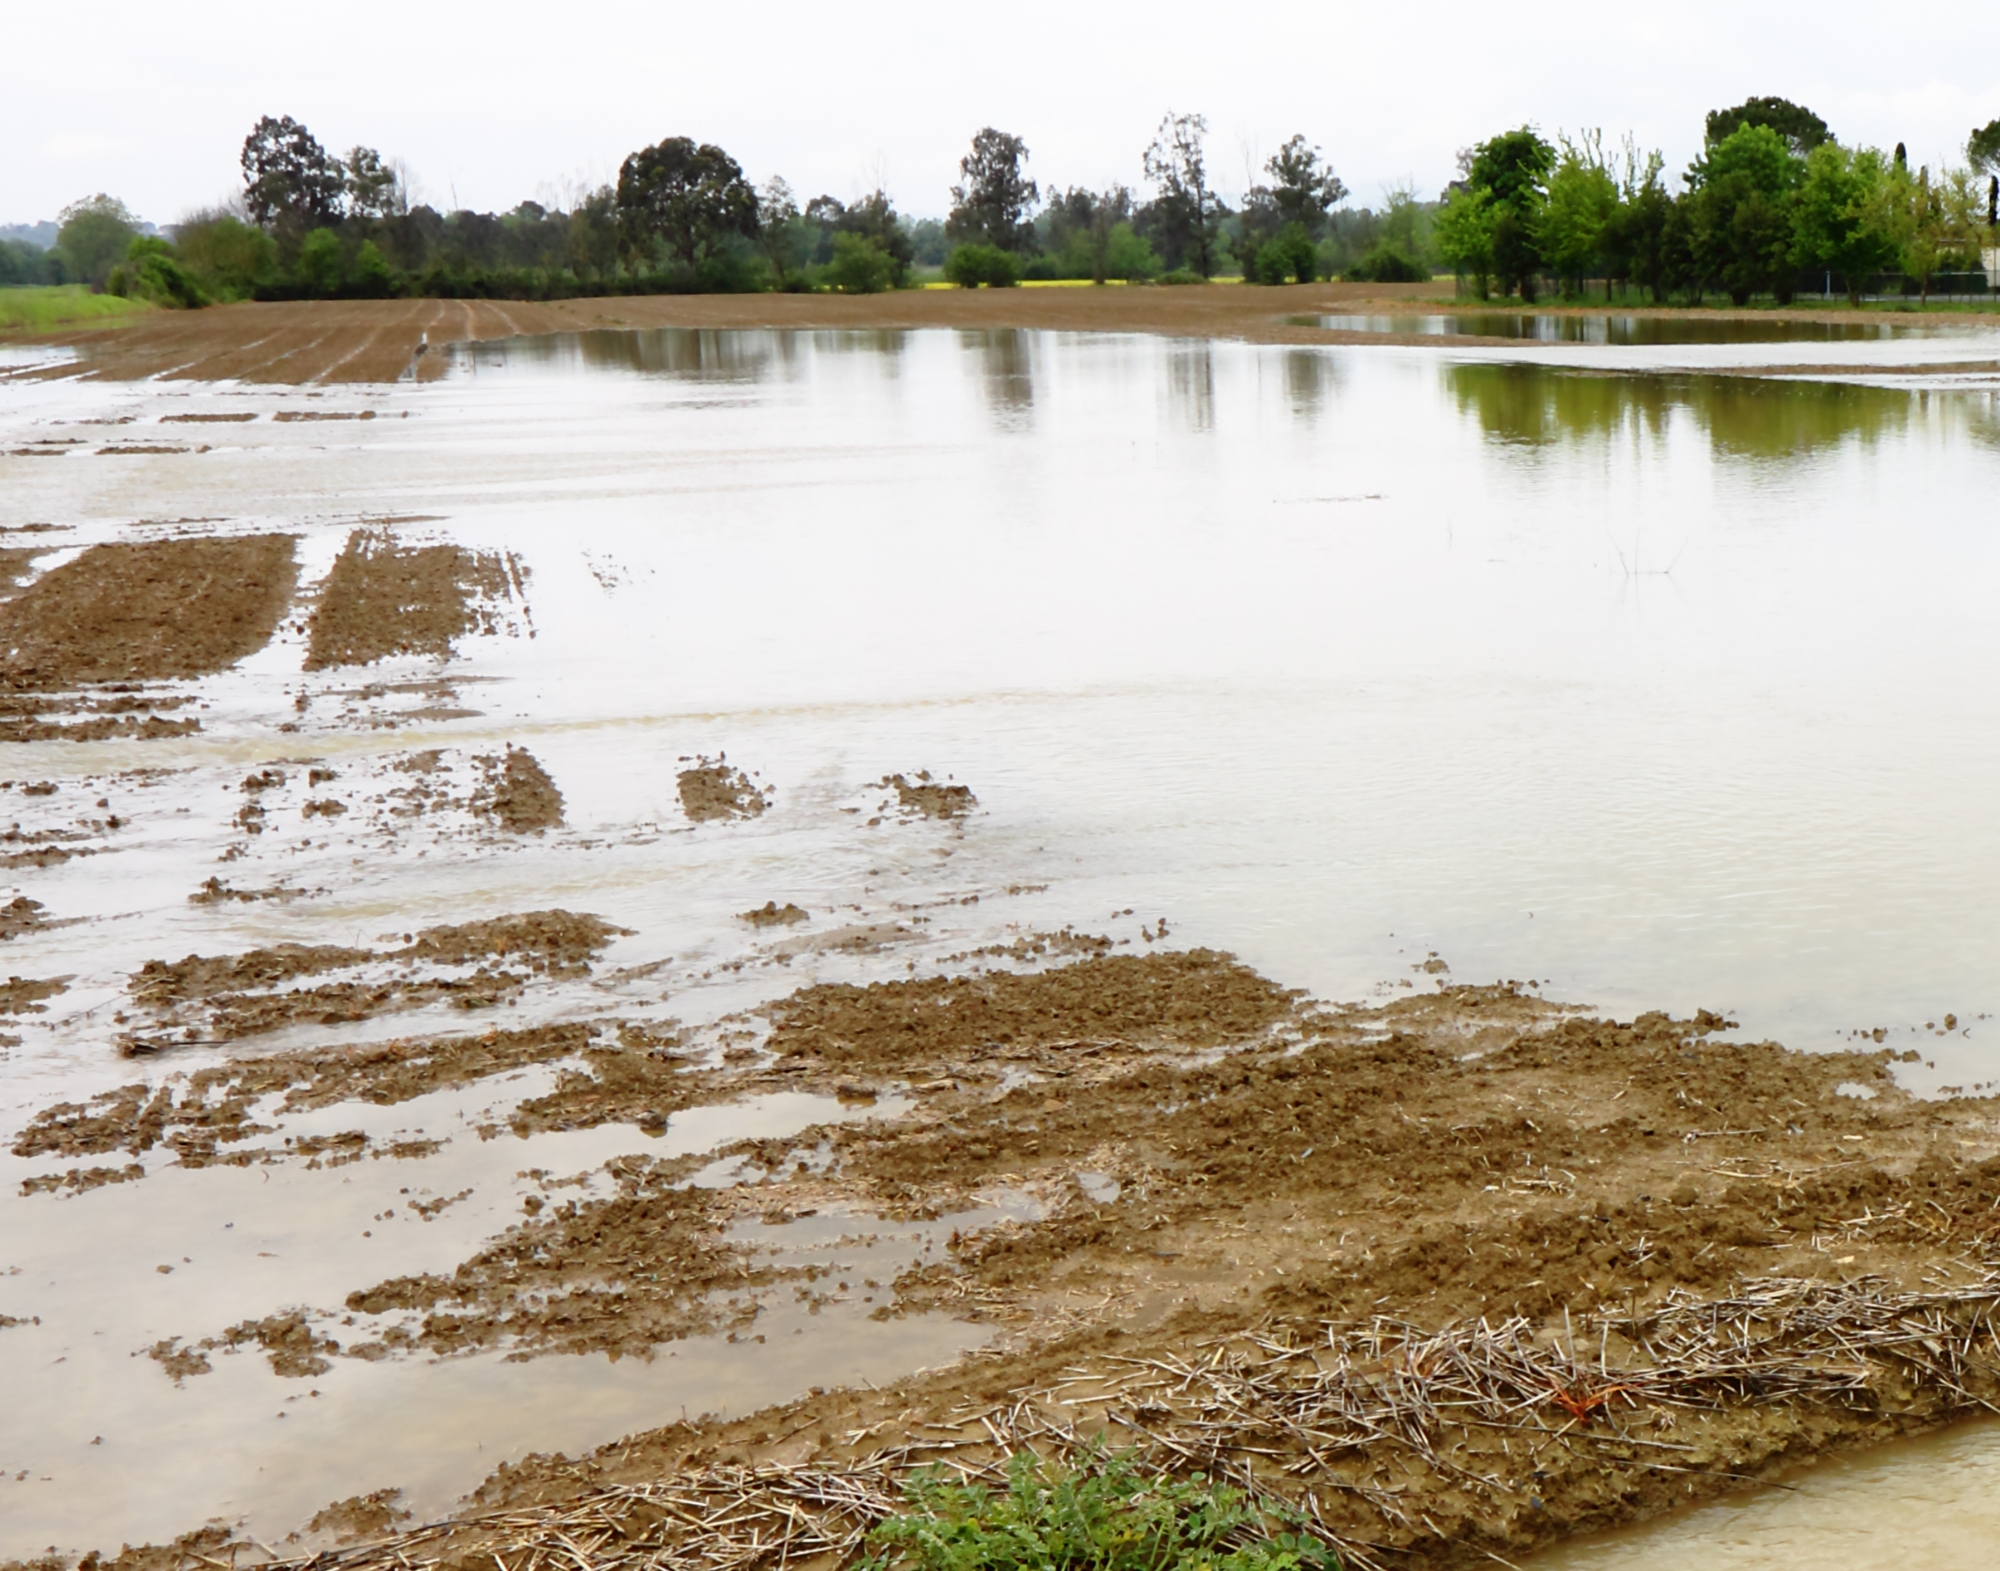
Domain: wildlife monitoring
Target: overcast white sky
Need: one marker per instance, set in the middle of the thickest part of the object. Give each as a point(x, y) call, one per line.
point(492, 103)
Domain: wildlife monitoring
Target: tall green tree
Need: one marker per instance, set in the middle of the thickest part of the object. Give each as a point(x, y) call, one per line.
point(1581, 198)
point(996, 201)
point(1741, 212)
point(685, 197)
point(1839, 228)
point(1303, 187)
point(93, 237)
point(1982, 149)
point(1090, 234)
point(375, 189)
point(290, 183)
point(1799, 126)
point(1634, 236)
point(1186, 213)
point(780, 230)
point(1279, 221)
point(1514, 168)
point(1463, 234)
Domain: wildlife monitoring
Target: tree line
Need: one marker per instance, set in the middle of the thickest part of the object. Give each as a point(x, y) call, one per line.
point(1774, 204)
point(683, 217)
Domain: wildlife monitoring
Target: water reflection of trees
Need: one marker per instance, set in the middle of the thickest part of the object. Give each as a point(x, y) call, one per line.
point(694, 354)
point(701, 354)
point(1309, 377)
point(1191, 384)
point(1744, 416)
point(1006, 373)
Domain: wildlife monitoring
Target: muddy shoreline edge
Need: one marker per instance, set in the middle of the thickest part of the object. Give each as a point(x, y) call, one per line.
point(1463, 1274)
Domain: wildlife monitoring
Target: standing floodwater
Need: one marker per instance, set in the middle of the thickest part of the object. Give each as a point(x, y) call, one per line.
point(633, 680)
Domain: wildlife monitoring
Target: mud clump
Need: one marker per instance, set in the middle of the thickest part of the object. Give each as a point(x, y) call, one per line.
point(636, 1075)
point(160, 983)
point(215, 892)
point(21, 915)
point(554, 943)
point(23, 995)
point(385, 598)
point(80, 1180)
point(295, 1349)
point(360, 1516)
point(618, 1275)
point(229, 996)
point(517, 793)
point(771, 914)
point(153, 611)
point(179, 1362)
point(711, 789)
point(924, 797)
point(1192, 1000)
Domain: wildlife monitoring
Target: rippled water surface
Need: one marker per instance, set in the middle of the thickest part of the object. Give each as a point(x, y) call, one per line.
point(1659, 687)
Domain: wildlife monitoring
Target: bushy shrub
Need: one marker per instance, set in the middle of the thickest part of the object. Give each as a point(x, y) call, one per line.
point(969, 266)
point(1102, 1514)
point(150, 272)
point(320, 268)
point(372, 278)
point(859, 266)
point(1130, 256)
point(229, 258)
point(1285, 257)
point(1386, 265)
point(1181, 275)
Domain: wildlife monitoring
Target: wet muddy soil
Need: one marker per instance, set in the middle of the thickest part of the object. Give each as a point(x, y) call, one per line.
point(385, 597)
point(712, 789)
point(1464, 1273)
point(518, 794)
point(139, 612)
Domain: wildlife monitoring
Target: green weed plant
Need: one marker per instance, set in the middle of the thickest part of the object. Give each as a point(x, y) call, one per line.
point(1102, 1514)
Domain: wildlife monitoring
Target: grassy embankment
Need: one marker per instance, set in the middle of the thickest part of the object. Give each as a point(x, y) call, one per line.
point(36, 308)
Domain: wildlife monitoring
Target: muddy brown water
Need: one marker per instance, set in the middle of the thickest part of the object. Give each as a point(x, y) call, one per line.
point(1657, 687)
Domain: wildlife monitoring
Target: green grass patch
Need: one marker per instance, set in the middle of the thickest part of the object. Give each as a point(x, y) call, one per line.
point(1101, 1514)
point(39, 307)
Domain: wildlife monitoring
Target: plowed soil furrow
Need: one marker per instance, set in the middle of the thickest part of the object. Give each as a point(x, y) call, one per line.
point(152, 611)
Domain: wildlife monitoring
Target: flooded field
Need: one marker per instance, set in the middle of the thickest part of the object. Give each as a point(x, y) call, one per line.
point(1647, 330)
point(467, 839)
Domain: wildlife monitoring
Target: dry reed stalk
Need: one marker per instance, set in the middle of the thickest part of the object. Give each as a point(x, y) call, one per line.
point(1269, 1413)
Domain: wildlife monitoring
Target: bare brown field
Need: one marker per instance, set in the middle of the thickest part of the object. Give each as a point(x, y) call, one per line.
point(378, 341)
point(361, 341)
